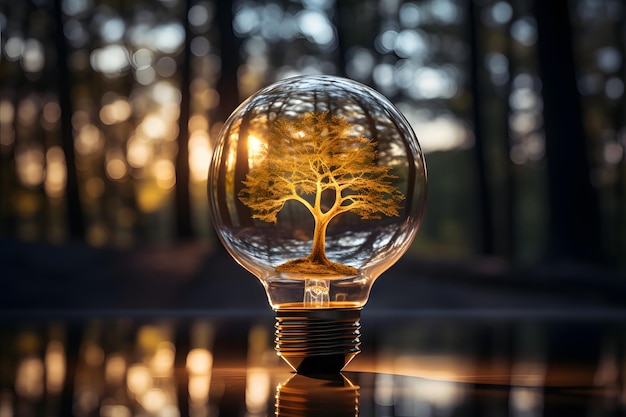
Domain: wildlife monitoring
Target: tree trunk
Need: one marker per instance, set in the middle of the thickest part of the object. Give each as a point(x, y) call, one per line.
point(483, 190)
point(74, 209)
point(318, 252)
point(184, 228)
point(574, 229)
point(229, 45)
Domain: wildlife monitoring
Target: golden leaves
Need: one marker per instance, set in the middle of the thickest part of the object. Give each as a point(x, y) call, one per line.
point(316, 152)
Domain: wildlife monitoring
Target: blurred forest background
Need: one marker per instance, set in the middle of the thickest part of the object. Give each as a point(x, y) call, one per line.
point(109, 110)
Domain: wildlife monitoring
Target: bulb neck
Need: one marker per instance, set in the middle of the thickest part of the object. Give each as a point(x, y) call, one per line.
point(318, 341)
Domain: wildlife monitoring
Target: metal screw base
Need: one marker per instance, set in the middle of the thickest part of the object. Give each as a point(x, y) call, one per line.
point(318, 341)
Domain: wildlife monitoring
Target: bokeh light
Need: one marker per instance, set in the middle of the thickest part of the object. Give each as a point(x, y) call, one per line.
point(138, 91)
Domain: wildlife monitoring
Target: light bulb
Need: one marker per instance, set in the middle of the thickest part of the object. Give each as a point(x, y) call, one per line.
point(317, 186)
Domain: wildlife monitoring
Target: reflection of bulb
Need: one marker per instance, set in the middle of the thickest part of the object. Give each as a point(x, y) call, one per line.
point(317, 186)
point(303, 396)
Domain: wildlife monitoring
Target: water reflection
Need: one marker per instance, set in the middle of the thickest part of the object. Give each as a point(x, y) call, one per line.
point(201, 368)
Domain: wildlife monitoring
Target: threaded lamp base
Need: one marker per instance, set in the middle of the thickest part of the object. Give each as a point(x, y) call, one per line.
point(318, 341)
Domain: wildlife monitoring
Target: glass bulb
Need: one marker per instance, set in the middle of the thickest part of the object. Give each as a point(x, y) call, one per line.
point(317, 186)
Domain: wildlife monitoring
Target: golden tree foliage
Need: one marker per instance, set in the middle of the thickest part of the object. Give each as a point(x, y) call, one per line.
point(316, 153)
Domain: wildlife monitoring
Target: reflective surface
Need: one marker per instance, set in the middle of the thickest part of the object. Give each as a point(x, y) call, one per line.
point(184, 363)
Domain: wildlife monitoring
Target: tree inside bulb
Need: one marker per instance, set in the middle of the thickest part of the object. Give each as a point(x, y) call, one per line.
point(320, 161)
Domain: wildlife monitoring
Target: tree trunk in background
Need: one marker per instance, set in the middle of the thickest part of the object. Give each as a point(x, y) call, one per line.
point(483, 192)
point(227, 85)
point(509, 189)
point(74, 210)
point(574, 228)
point(617, 214)
point(183, 204)
point(342, 22)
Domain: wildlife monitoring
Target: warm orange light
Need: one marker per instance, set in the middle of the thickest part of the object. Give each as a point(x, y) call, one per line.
point(55, 367)
point(199, 361)
point(51, 112)
point(115, 112)
point(138, 153)
point(89, 140)
point(199, 365)
point(116, 169)
point(138, 379)
point(199, 386)
point(256, 151)
point(27, 111)
point(94, 187)
point(199, 155)
point(7, 112)
point(93, 354)
point(29, 161)
point(29, 378)
point(164, 173)
point(115, 369)
point(162, 363)
point(154, 400)
point(149, 197)
point(153, 127)
point(198, 122)
point(56, 172)
point(258, 388)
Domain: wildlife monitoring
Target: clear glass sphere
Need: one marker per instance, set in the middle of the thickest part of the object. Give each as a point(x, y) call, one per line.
point(317, 186)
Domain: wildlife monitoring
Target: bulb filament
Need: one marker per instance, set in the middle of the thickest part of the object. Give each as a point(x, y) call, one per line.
point(316, 293)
